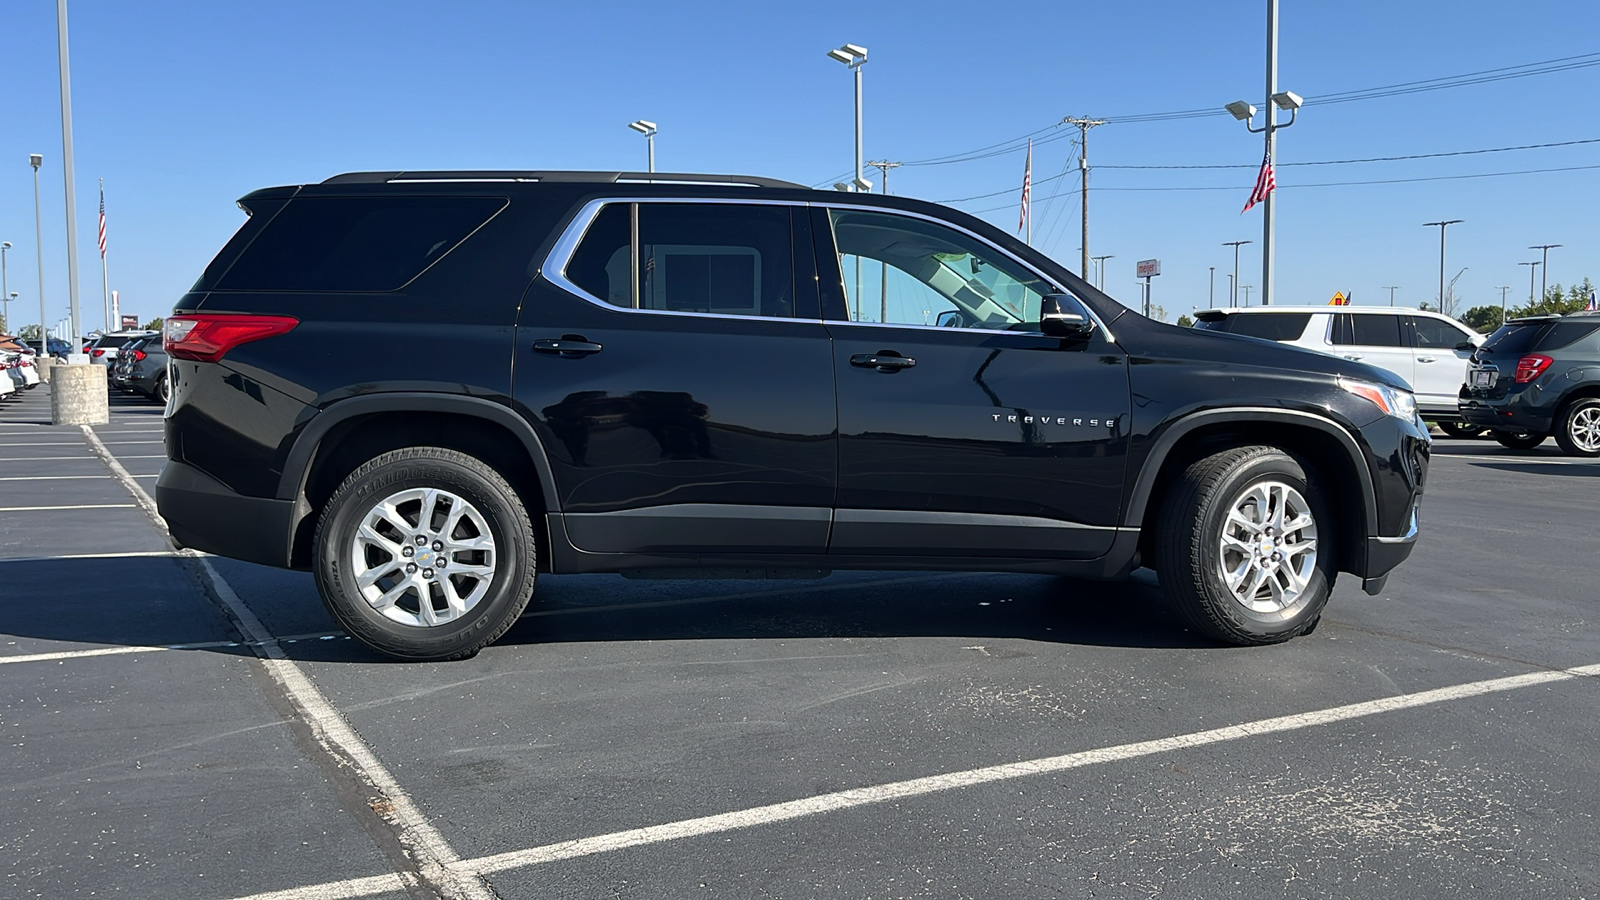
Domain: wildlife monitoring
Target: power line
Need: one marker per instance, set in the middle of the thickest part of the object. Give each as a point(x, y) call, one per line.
point(1372, 159)
point(1378, 181)
point(1484, 76)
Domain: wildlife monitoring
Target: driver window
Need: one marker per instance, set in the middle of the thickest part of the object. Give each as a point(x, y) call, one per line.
point(903, 271)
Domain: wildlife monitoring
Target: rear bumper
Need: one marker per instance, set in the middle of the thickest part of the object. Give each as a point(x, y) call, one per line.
point(204, 514)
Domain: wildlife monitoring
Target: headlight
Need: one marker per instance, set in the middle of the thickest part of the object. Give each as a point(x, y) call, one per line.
point(1395, 402)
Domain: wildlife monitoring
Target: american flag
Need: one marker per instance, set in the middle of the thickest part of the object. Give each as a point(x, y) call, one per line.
point(1027, 187)
point(102, 220)
point(1264, 185)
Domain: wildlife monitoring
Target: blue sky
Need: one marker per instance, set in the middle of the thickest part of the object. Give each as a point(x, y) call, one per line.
point(184, 106)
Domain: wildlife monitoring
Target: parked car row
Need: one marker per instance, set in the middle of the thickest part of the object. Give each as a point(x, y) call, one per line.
point(140, 367)
point(1531, 379)
point(17, 371)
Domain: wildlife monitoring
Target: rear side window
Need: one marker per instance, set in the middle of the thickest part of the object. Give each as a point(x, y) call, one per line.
point(355, 244)
point(727, 259)
point(1363, 330)
point(1565, 334)
point(1539, 336)
point(1272, 326)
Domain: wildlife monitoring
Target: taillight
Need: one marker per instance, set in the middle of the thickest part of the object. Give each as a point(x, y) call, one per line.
point(1531, 366)
point(99, 352)
point(208, 337)
point(138, 355)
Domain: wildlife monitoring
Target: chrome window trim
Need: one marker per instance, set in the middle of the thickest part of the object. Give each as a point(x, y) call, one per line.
point(980, 239)
point(554, 269)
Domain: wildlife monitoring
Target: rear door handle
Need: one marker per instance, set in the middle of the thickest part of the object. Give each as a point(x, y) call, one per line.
point(1352, 357)
point(570, 346)
point(1424, 359)
point(882, 361)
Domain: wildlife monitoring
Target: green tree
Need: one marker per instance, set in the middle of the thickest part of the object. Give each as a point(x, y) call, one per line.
point(1185, 322)
point(1558, 302)
point(29, 333)
point(153, 324)
point(1483, 318)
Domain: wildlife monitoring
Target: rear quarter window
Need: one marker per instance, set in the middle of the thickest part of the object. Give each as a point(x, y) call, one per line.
point(1271, 326)
point(366, 244)
point(1539, 336)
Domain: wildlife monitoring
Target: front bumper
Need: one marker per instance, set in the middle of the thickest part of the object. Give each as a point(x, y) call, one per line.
point(204, 514)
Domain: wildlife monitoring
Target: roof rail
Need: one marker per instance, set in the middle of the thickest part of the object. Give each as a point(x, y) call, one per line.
point(567, 176)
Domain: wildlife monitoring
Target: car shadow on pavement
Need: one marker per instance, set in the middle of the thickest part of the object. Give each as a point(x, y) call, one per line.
point(81, 604)
point(1537, 468)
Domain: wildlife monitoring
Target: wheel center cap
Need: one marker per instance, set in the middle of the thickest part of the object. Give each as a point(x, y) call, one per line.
point(1267, 547)
point(424, 556)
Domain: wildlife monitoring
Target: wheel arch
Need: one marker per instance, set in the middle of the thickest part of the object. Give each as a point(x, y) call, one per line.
point(1323, 445)
point(350, 432)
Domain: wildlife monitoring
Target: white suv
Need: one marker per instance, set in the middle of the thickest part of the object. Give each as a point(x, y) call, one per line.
point(1430, 351)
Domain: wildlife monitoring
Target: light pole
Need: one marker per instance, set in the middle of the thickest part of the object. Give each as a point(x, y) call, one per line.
point(1391, 288)
point(855, 57)
point(1442, 226)
point(1233, 290)
point(648, 129)
point(36, 160)
point(1289, 102)
point(66, 174)
point(1246, 288)
point(5, 293)
point(1101, 271)
point(1533, 267)
point(1212, 296)
point(1503, 288)
point(1544, 281)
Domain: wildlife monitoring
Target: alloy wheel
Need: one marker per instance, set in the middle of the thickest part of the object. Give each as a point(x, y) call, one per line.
point(423, 557)
point(1268, 548)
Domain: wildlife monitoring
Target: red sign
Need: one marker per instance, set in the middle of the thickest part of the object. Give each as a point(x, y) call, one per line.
point(1149, 268)
point(130, 323)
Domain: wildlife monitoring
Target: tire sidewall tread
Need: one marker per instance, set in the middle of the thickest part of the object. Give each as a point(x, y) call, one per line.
point(1564, 428)
point(477, 483)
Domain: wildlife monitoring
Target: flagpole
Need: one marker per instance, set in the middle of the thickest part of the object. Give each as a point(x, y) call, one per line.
point(1272, 145)
point(105, 282)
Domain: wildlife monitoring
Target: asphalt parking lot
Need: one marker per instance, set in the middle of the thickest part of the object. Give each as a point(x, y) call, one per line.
point(179, 726)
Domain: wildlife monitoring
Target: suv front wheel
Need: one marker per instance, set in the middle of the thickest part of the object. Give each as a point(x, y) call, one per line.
point(1245, 547)
point(425, 554)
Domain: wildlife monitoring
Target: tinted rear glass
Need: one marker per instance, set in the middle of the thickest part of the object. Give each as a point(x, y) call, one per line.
point(1539, 336)
point(1272, 326)
point(112, 341)
point(1367, 330)
point(355, 244)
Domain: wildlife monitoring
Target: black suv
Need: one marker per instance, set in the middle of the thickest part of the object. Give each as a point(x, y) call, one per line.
point(660, 374)
point(1535, 377)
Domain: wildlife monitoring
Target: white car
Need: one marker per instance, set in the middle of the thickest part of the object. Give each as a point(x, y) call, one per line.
point(105, 348)
point(1429, 350)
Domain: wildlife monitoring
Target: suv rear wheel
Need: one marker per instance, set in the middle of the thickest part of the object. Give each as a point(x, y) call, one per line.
point(1578, 429)
point(425, 554)
point(1519, 440)
point(1238, 548)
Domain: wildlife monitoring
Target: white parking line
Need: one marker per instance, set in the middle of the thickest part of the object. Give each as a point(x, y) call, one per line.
point(9, 458)
point(129, 555)
point(78, 506)
point(60, 655)
point(50, 477)
point(45, 444)
point(436, 860)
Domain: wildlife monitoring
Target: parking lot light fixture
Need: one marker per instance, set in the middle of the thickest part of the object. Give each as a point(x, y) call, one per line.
point(1532, 267)
point(648, 129)
point(855, 56)
point(1289, 102)
point(5, 293)
point(1241, 110)
point(1233, 285)
point(1442, 226)
point(1544, 280)
point(36, 160)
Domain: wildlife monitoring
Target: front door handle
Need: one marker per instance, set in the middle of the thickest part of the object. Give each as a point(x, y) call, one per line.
point(1352, 357)
point(883, 361)
point(569, 346)
point(1424, 359)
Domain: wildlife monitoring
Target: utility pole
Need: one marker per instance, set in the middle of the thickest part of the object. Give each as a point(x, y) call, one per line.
point(1233, 290)
point(1391, 288)
point(883, 165)
point(1503, 289)
point(1442, 226)
point(1083, 167)
point(1213, 294)
point(1246, 288)
point(1544, 282)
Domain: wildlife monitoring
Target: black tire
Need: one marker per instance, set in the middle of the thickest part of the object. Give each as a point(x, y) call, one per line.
point(514, 567)
point(1189, 556)
point(161, 392)
point(1575, 427)
point(1458, 429)
point(1519, 440)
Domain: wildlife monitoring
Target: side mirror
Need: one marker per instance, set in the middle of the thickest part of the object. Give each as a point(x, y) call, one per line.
point(1053, 321)
point(1467, 346)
